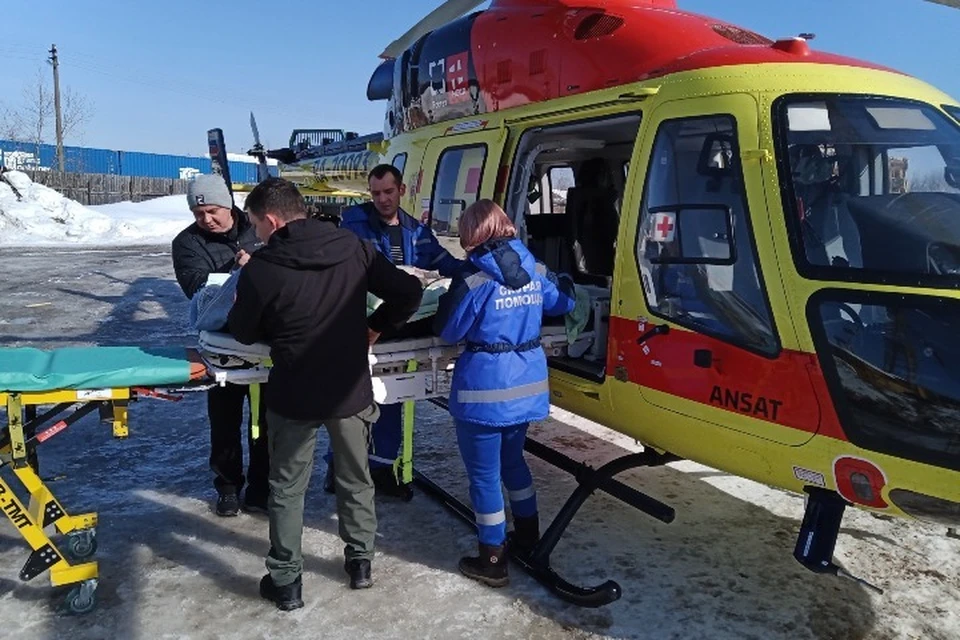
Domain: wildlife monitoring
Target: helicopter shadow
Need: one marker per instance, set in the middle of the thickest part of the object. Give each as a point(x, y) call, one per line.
point(723, 569)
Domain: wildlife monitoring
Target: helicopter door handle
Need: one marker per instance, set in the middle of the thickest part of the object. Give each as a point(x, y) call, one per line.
point(656, 331)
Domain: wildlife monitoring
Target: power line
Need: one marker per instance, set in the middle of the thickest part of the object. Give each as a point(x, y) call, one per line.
point(210, 95)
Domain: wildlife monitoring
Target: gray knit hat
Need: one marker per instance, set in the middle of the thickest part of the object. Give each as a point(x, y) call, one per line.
point(206, 189)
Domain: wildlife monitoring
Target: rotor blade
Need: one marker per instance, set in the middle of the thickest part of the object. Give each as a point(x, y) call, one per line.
point(447, 12)
point(955, 4)
point(256, 132)
point(263, 171)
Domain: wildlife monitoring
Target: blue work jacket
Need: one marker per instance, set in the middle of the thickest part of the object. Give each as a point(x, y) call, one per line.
point(497, 302)
point(420, 246)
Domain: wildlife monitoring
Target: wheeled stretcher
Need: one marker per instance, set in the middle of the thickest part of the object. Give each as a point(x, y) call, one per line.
point(70, 383)
point(403, 371)
point(45, 392)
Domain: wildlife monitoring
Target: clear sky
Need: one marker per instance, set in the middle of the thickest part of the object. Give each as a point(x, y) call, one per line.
point(161, 73)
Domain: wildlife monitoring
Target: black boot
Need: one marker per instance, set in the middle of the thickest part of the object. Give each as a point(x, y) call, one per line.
point(359, 572)
point(228, 504)
point(526, 534)
point(386, 484)
point(490, 568)
point(287, 598)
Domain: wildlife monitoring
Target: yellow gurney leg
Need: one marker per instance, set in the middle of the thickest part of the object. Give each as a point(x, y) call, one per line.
point(406, 451)
point(255, 411)
point(43, 511)
point(120, 429)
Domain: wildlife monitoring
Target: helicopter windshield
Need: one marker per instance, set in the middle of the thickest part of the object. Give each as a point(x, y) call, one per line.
point(871, 189)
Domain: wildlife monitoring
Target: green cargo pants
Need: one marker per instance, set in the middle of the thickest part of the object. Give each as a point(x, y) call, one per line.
point(292, 444)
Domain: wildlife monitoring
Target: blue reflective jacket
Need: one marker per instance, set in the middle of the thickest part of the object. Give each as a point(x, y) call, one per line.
point(497, 301)
point(420, 246)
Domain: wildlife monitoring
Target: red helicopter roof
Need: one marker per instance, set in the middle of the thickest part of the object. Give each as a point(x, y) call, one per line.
point(519, 52)
point(620, 41)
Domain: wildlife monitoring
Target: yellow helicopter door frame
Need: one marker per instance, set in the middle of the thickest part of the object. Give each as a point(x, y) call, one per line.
point(701, 325)
point(457, 170)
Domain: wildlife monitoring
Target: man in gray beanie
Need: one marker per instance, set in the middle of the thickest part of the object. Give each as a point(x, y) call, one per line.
point(220, 240)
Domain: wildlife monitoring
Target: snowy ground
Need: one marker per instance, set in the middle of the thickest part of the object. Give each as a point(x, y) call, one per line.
point(171, 569)
point(43, 217)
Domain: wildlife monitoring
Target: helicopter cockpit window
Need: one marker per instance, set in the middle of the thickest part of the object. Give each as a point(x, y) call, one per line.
point(890, 363)
point(400, 162)
point(954, 111)
point(871, 189)
point(695, 246)
point(456, 186)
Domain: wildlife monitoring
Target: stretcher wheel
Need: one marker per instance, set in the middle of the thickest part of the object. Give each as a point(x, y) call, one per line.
point(81, 544)
point(82, 598)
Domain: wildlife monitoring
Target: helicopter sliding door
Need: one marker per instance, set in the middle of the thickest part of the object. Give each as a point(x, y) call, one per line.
point(696, 326)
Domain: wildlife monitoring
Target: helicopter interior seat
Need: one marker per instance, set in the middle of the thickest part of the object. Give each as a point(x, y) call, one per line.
point(592, 222)
point(831, 236)
point(546, 235)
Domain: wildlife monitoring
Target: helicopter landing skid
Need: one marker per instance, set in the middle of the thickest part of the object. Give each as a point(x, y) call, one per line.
point(537, 562)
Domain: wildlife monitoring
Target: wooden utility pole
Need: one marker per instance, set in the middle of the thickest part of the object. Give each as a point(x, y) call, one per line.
point(56, 105)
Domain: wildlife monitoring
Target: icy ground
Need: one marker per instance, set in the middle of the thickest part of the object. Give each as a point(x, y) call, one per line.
point(169, 568)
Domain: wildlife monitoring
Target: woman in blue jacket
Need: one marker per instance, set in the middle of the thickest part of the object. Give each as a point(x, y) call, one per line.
point(496, 302)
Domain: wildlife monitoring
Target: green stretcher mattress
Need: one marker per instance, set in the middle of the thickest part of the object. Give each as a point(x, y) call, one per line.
point(31, 370)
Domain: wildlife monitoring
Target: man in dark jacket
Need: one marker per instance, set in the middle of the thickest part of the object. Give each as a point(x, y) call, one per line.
point(220, 240)
point(304, 294)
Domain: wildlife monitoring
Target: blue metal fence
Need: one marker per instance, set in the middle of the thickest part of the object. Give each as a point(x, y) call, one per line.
point(122, 163)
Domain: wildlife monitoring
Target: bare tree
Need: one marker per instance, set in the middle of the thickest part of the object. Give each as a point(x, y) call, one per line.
point(76, 112)
point(36, 110)
point(35, 116)
point(932, 182)
point(9, 125)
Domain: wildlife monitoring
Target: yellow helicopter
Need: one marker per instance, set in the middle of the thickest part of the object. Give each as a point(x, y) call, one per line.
point(769, 236)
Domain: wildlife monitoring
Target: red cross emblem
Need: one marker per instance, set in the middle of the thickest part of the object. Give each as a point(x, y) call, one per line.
point(457, 77)
point(664, 226)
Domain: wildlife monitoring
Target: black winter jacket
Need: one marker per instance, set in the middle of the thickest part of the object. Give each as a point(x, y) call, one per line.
point(305, 294)
point(198, 253)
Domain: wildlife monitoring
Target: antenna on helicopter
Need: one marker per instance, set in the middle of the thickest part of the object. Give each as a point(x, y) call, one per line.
point(446, 12)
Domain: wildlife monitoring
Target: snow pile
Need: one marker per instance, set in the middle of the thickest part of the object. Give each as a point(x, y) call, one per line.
point(42, 216)
point(155, 221)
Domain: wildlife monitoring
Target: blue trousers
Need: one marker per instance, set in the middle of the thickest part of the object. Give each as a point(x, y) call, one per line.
point(492, 455)
point(387, 437)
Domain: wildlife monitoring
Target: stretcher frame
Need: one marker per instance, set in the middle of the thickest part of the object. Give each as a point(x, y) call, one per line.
point(68, 557)
point(403, 371)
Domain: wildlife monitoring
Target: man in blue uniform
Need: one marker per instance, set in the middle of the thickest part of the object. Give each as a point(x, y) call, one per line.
point(404, 241)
